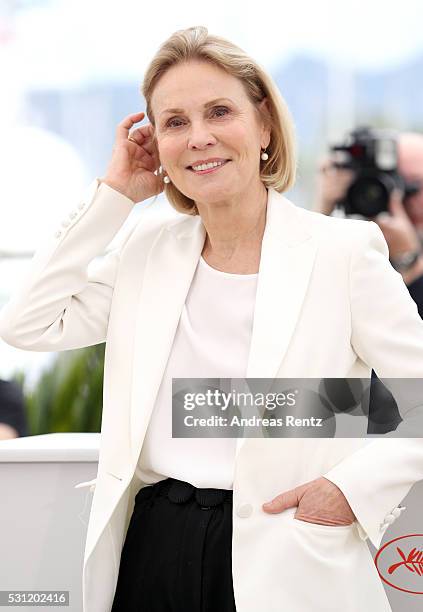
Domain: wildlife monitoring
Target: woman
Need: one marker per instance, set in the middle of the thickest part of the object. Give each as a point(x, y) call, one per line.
point(243, 284)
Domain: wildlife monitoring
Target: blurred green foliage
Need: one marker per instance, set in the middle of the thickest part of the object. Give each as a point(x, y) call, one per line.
point(68, 396)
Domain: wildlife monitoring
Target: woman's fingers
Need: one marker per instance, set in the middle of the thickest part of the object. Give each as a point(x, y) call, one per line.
point(122, 130)
point(140, 135)
point(145, 147)
point(143, 137)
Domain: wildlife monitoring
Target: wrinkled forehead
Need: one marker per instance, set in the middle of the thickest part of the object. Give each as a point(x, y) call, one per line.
point(190, 86)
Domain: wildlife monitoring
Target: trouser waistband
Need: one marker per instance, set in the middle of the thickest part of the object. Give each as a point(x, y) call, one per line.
point(180, 492)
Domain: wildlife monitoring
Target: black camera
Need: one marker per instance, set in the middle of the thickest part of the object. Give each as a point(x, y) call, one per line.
point(372, 155)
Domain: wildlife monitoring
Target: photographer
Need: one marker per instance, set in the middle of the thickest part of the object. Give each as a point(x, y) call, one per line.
point(343, 185)
point(380, 178)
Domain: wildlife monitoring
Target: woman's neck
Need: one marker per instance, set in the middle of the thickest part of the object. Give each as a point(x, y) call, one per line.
point(234, 233)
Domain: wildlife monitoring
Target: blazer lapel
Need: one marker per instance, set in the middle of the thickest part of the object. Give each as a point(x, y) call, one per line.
point(167, 278)
point(286, 262)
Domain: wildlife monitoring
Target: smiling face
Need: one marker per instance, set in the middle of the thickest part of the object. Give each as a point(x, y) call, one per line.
point(204, 116)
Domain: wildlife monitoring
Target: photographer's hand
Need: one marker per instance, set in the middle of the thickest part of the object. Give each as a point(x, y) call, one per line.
point(400, 235)
point(332, 185)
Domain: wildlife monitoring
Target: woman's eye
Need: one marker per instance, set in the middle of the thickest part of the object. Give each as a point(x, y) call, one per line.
point(171, 122)
point(220, 111)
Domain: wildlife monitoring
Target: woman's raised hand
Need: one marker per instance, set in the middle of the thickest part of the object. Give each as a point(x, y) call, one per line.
point(132, 166)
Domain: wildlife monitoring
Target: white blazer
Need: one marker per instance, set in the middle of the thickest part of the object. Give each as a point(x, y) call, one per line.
point(328, 304)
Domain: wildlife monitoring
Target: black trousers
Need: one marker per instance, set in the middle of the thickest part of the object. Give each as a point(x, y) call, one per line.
point(177, 555)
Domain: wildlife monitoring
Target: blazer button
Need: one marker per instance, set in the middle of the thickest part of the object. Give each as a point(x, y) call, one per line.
point(244, 510)
point(389, 518)
point(396, 512)
point(65, 223)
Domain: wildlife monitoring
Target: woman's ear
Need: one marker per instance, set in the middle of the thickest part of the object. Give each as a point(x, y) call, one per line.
point(153, 134)
point(154, 140)
point(266, 117)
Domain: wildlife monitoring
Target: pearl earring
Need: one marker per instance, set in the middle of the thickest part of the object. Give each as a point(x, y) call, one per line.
point(264, 156)
point(166, 179)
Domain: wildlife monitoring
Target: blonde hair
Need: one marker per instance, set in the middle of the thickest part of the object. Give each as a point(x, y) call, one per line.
point(195, 43)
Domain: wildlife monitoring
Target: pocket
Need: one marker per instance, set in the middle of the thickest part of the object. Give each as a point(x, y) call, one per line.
point(324, 528)
point(332, 545)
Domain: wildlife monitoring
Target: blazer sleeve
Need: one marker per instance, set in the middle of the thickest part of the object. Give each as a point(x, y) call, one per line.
point(387, 334)
point(59, 306)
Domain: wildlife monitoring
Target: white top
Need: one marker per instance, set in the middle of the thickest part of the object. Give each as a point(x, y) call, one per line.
point(212, 340)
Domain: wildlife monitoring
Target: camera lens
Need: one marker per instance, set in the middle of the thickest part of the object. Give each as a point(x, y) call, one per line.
point(369, 194)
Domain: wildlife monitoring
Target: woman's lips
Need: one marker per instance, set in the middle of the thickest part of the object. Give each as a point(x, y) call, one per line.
point(208, 170)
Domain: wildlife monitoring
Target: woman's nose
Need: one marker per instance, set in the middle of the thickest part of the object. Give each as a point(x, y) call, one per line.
point(200, 137)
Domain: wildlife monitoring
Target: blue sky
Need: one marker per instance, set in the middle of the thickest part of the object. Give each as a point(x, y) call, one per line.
point(67, 41)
